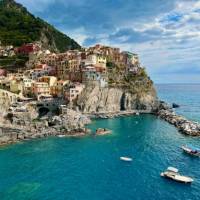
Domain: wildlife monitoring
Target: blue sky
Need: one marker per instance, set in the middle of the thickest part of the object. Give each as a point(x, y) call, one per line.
point(165, 33)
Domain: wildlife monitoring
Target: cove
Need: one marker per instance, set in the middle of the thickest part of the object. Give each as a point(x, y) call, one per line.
point(89, 167)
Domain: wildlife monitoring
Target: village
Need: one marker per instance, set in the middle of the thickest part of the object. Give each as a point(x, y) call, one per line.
point(54, 79)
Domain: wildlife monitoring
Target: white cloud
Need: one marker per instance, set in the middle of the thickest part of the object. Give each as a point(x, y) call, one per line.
point(78, 34)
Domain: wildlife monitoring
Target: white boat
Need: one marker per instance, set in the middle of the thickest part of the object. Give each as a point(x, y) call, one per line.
point(172, 173)
point(191, 150)
point(61, 136)
point(127, 159)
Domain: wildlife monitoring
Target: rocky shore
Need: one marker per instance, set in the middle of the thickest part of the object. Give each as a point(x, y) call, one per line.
point(181, 123)
point(12, 135)
point(20, 127)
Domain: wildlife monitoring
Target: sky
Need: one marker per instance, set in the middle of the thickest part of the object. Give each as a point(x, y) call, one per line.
point(165, 33)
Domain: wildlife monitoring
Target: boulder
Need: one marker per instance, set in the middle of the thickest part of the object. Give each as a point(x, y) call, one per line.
point(174, 105)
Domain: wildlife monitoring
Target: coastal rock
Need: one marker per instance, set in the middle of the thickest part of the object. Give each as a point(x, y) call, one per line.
point(20, 126)
point(162, 105)
point(174, 105)
point(70, 120)
point(185, 126)
point(95, 99)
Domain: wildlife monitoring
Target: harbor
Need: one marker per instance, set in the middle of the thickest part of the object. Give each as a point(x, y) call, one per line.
point(152, 143)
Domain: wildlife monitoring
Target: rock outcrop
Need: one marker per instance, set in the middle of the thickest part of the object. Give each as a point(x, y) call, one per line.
point(185, 126)
point(95, 99)
point(21, 126)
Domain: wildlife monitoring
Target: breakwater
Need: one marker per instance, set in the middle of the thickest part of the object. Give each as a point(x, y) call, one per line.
point(181, 123)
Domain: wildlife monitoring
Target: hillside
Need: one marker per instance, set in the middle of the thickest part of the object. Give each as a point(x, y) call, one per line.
point(18, 26)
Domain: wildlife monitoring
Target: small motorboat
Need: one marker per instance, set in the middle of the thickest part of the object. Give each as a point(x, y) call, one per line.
point(61, 136)
point(102, 131)
point(172, 173)
point(191, 150)
point(127, 159)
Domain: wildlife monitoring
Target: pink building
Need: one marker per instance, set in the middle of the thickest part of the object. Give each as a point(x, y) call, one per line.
point(3, 72)
point(74, 91)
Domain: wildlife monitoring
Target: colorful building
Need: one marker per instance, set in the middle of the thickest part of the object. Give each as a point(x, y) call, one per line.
point(27, 48)
point(3, 72)
point(40, 88)
point(27, 86)
point(73, 91)
point(96, 59)
point(95, 74)
point(132, 62)
point(16, 86)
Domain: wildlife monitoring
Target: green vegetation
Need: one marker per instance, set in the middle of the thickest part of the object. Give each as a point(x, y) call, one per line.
point(18, 26)
point(16, 61)
point(133, 83)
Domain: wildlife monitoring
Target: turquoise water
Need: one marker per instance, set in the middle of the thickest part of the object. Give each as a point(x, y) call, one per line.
point(89, 168)
point(186, 95)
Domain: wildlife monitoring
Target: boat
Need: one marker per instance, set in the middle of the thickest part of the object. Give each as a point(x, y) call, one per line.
point(137, 113)
point(191, 150)
point(61, 136)
point(127, 159)
point(172, 173)
point(102, 131)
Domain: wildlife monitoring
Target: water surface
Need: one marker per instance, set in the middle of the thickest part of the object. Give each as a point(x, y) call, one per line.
point(89, 168)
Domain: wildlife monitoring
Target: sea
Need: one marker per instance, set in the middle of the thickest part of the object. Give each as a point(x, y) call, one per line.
point(89, 168)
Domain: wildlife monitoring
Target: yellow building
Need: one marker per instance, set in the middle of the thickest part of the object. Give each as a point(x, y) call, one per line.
point(101, 60)
point(16, 86)
point(51, 80)
point(60, 87)
point(73, 65)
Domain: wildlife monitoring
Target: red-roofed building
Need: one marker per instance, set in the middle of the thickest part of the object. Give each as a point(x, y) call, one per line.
point(3, 72)
point(27, 48)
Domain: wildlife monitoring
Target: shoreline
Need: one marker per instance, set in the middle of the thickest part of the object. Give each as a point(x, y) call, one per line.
point(109, 115)
point(17, 135)
point(14, 134)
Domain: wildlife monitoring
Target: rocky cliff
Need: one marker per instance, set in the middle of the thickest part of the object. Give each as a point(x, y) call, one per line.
point(135, 96)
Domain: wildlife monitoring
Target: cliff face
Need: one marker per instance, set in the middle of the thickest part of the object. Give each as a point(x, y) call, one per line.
point(125, 91)
point(99, 100)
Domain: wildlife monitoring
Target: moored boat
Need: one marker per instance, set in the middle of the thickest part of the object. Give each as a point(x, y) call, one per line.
point(61, 136)
point(191, 150)
point(127, 159)
point(172, 173)
point(102, 131)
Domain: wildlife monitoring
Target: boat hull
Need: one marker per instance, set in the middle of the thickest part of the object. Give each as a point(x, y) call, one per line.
point(189, 151)
point(126, 159)
point(177, 178)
